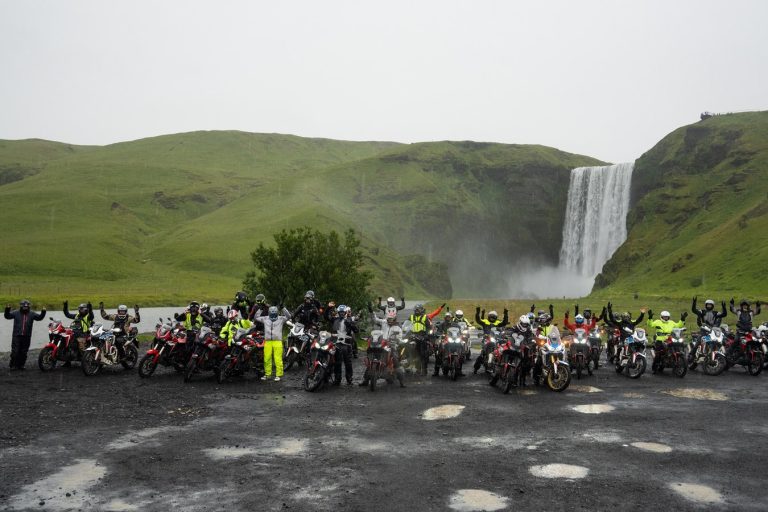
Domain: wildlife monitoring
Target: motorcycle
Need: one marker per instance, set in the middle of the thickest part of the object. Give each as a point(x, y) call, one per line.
point(746, 350)
point(485, 359)
point(612, 345)
point(322, 357)
point(507, 363)
point(709, 351)
point(208, 353)
point(61, 346)
point(109, 347)
point(552, 365)
point(452, 353)
point(408, 352)
point(672, 354)
point(297, 345)
point(632, 354)
point(579, 353)
point(169, 348)
point(595, 348)
point(380, 362)
point(243, 355)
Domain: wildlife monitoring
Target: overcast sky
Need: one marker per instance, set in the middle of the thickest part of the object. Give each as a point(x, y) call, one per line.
point(602, 78)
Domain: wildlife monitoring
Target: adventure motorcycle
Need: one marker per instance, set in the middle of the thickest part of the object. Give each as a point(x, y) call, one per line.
point(109, 347)
point(243, 354)
point(297, 345)
point(169, 348)
point(746, 349)
point(506, 363)
point(672, 354)
point(552, 366)
point(380, 361)
point(489, 343)
point(709, 351)
point(207, 355)
point(632, 354)
point(61, 346)
point(579, 352)
point(322, 357)
point(595, 348)
point(452, 353)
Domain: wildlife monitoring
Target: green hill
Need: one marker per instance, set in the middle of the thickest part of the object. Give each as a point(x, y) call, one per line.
point(163, 219)
point(698, 221)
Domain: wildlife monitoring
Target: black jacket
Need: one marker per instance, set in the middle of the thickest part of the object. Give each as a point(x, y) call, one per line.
point(22, 322)
point(708, 317)
point(307, 314)
point(621, 324)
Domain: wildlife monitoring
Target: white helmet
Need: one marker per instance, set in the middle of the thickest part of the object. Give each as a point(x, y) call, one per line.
point(493, 314)
point(665, 313)
point(524, 320)
point(459, 313)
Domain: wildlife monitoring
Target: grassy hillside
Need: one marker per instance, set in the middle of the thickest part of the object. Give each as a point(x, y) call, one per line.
point(699, 215)
point(164, 219)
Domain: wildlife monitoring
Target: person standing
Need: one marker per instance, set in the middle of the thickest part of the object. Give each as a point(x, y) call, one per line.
point(22, 332)
point(273, 340)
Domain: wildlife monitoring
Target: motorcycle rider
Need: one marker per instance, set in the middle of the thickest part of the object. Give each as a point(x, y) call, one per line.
point(123, 321)
point(343, 329)
point(234, 322)
point(587, 313)
point(218, 320)
point(553, 337)
point(706, 317)
point(420, 327)
point(459, 317)
point(663, 328)
point(273, 340)
point(624, 324)
point(487, 325)
point(22, 331)
point(259, 303)
point(524, 328)
point(308, 312)
point(192, 320)
point(242, 304)
point(391, 304)
point(744, 316)
point(581, 323)
point(83, 321)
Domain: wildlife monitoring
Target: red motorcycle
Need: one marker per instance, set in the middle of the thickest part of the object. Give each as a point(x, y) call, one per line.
point(208, 353)
point(169, 348)
point(245, 354)
point(61, 346)
point(745, 349)
point(322, 357)
point(380, 361)
point(507, 362)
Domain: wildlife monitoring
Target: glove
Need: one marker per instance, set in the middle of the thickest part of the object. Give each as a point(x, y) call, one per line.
point(280, 306)
point(757, 304)
point(66, 304)
point(684, 316)
point(44, 311)
point(732, 301)
point(610, 306)
point(135, 307)
point(723, 304)
point(379, 300)
point(90, 306)
point(506, 311)
point(567, 312)
point(477, 309)
point(441, 307)
point(402, 299)
point(650, 314)
point(101, 305)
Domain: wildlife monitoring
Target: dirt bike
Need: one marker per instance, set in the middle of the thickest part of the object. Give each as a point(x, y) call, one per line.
point(485, 358)
point(452, 353)
point(506, 363)
point(297, 345)
point(552, 365)
point(109, 347)
point(243, 354)
point(746, 349)
point(631, 355)
point(322, 357)
point(169, 348)
point(672, 354)
point(380, 361)
point(61, 346)
point(579, 353)
point(207, 355)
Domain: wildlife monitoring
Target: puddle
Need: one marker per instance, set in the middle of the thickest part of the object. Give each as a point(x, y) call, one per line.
point(696, 394)
point(230, 452)
point(602, 437)
point(315, 493)
point(697, 493)
point(527, 392)
point(593, 408)
point(283, 447)
point(633, 395)
point(469, 500)
point(140, 436)
point(119, 506)
point(51, 491)
point(652, 447)
point(290, 447)
point(585, 389)
point(559, 471)
point(443, 412)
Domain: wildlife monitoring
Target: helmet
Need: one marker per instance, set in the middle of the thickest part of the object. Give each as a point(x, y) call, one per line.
point(122, 310)
point(218, 311)
point(273, 312)
point(587, 313)
point(25, 304)
point(709, 304)
point(194, 307)
point(309, 294)
point(232, 315)
point(524, 323)
point(531, 317)
point(579, 319)
point(448, 314)
point(390, 301)
point(554, 336)
point(665, 314)
point(541, 312)
point(205, 307)
point(625, 316)
point(82, 308)
point(341, 309)
point(419, 309)
point(744, 302)
point(543, 319)
point(241, 296)
point(260, 298)
point(493, 316)
point(459, 315)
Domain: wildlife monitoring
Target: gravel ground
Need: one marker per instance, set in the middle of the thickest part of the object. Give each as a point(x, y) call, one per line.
point(118, 442)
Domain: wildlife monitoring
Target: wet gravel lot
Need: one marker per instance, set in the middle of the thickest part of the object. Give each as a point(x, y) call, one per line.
point(118, 442)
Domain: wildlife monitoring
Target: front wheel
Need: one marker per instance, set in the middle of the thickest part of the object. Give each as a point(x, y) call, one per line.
point(89, 364)
point(225, 370)
point(510, 377)
point(559, 380)
point(46, 361)
point(755, 366)
point(290, 360)
point(680, 368)
point(715, 366)
point(147, 366)
point(455, 370)
point(579, 368)
point(189, 370)
point(130, 358)
point(636, 369)
point(374, 379)
point(313, 379)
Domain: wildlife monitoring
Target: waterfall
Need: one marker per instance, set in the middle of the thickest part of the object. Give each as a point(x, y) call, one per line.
point(595, 217)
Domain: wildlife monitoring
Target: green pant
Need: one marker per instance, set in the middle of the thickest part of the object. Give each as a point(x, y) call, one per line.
point(273, 347)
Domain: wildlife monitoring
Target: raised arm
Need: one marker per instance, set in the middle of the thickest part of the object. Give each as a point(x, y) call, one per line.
point(65, 310)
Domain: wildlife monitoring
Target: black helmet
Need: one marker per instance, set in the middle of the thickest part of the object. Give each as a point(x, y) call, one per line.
point(419, 309)
point(194, 306)
point(626, 316)
point(218, 311)
point(241, 296)
point(744, 302)
point(25, 304)
point(260, 298)
point(309, 294)
point(587, 313)
point(82, 308)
